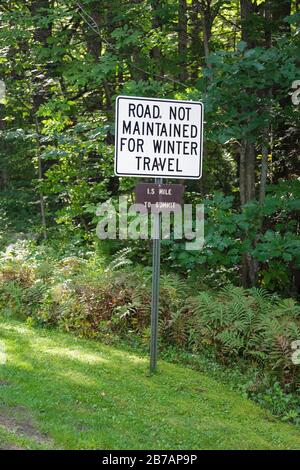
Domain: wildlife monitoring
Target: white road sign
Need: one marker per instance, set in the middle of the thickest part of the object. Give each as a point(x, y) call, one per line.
point(158, 138)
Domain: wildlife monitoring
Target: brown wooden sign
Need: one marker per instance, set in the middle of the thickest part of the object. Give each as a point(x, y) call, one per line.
point(159, 197)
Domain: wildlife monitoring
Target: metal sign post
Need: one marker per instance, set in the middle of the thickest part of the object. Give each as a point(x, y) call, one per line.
point(155, 287)
point(159, 199)
point(158, 138)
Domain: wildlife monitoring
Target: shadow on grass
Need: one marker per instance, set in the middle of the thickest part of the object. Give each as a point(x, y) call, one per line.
point(88, 395)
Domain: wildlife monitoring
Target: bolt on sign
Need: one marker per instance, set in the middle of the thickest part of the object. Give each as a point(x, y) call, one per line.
point(159, 197)
point(158, 138)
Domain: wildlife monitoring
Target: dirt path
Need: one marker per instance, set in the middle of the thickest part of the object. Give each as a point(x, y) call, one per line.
point(18, 421)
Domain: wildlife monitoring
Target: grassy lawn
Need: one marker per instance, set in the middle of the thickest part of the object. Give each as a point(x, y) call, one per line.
point(60, 392)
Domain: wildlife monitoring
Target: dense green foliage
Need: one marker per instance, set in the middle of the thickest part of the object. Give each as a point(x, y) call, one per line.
point(230, 307)
point(230, 233)
point(64, 63)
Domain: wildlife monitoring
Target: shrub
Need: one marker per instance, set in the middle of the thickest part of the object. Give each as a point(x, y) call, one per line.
point(250, 324)
point(269, 232)
point(82, 295)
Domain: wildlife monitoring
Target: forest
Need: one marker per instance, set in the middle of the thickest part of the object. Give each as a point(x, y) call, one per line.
point(230, 309)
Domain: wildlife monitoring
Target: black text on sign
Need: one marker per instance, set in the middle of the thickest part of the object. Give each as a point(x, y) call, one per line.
point(158, 138)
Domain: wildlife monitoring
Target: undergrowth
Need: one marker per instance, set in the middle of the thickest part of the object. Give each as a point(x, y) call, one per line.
point(245, 336)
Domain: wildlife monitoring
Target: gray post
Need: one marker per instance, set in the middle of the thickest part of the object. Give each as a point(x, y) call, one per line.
point(155, 287)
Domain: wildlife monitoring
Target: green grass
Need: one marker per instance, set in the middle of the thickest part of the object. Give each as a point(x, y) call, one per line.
point(57, 391)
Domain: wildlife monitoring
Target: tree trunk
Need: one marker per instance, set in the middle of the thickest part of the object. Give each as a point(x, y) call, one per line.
point(247, 8)
point(247, 192)
point(209, 11)
point(3, 179)
point(196, 46)
point(247, 153)
point(41, 36)
point(156, 24)
point(247, 172)
point(206, 39)
point(182, 40)
point(280, 10)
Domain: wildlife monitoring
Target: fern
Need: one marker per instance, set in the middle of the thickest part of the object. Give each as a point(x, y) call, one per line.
point(119, 260)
